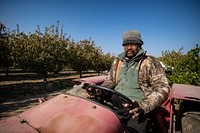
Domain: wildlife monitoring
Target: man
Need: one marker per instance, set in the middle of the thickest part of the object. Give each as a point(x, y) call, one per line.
point(140, 77)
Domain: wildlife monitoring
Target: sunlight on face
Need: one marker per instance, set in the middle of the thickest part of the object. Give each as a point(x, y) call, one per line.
point(131, 50)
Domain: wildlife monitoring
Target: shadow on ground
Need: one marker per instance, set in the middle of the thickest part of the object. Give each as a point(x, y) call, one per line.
point(16, 98)
point(20, 92)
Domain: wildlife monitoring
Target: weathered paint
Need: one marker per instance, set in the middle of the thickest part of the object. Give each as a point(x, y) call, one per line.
point(63, 113)
point(186, 92)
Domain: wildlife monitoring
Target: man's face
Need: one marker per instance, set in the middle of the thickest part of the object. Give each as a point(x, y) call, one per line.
point(131, 50)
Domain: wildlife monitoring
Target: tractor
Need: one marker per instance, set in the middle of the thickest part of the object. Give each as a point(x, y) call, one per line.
point(73, 112)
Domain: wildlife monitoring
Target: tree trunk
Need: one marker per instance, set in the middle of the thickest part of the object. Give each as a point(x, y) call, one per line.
point(80, 72)
point(7, 71)
point(98, 73)
point(45, 77)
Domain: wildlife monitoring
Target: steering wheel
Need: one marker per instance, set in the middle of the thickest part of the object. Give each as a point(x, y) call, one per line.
point(120, 111)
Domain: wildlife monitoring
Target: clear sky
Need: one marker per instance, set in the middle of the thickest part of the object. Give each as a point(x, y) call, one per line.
point(164, 24)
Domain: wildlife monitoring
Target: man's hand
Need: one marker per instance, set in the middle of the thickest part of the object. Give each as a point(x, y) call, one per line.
point(92, 93)
point(136, 111)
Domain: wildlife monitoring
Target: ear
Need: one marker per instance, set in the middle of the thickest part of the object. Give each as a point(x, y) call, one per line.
point(140, 46)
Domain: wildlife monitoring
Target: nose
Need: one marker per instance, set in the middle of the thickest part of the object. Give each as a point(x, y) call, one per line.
point(129, 46)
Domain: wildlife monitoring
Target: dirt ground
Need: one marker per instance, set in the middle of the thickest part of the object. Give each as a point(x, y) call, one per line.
point(15, 106)
point(19, 93)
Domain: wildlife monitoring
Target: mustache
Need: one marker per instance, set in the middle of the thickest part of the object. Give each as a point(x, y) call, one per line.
point(128, 51)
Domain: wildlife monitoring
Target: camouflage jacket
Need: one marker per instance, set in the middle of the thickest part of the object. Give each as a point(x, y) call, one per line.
point(151, 78)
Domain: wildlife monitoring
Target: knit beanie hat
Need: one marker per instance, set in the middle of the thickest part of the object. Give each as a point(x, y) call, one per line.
point(132, 36)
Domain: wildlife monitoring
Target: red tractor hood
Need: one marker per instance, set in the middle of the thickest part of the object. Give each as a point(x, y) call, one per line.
point(61, 114)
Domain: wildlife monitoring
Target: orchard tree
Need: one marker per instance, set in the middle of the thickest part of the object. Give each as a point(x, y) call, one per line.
point(6, 48)
point(182, 68)
point(108, 59)
point(48, 52)
point(102, 62)
point(21, 51)
point(97, 62)
point(81, 55)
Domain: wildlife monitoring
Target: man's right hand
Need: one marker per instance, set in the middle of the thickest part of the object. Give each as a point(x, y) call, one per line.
point(136, 111)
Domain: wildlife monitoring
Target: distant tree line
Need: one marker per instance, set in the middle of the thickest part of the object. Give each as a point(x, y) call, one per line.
point(50, 51)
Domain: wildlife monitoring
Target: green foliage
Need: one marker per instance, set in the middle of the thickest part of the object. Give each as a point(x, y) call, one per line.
point(49, 51)
point(84, 55)
point(183, 69)
point(103, 62)
point(79, 56)
point(6, 48)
